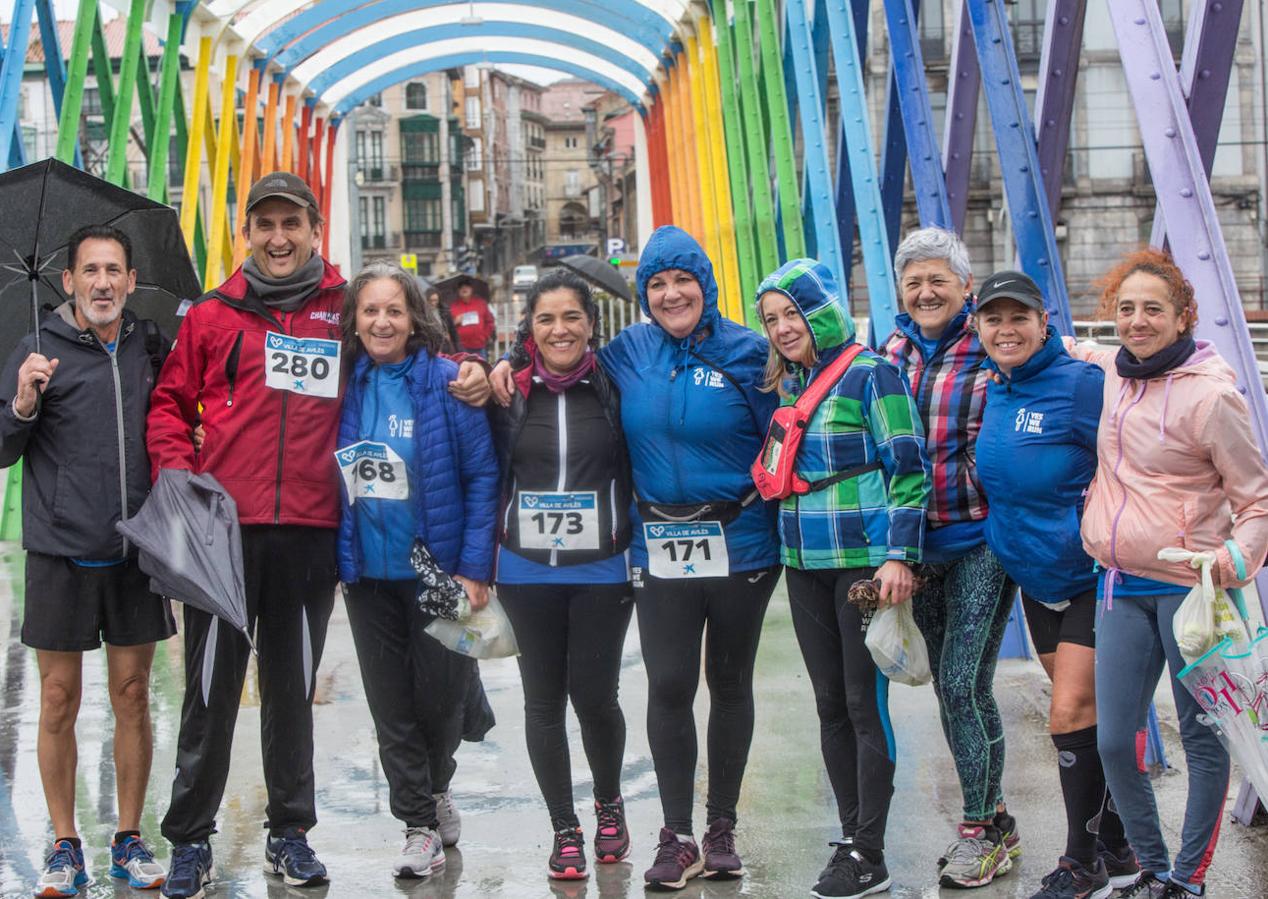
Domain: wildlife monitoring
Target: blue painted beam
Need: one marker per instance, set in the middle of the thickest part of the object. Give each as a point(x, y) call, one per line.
point(800, 49)
point(893, 161)
point(11, 77)
point(323, 23)
point(964, 82)
point(492, 30)
point(877, 258)
point(1019, 157)
point(418, 69)
point(913, 102)
point(844, 198)
point(1054, 101)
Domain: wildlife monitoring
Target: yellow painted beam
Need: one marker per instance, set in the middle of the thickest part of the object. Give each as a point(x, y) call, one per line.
point(668, 100)
point(193, 152)
point(220, 177)
point(703, 164)
point(691, 179)
point(730, 260)
point(247, 172)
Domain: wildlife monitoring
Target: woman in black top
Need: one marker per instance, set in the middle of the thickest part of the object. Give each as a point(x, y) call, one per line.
point(563, 576)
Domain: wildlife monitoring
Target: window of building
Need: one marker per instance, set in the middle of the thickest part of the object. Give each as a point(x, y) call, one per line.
point(380, 221)
point(932, 31)
point(416, 95)
point(363, 212)
point(420, 147)
point(473, 112)
point(475, 199)
point(423, 215)
point(1173, 21)
point(572, 183)
point(475, 161)
point(361, 149)
point(92, 102)
point(374, 100)
point(1027, 22)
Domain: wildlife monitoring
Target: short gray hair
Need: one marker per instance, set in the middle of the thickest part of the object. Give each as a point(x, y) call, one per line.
point(926, 244)
point(426, 330)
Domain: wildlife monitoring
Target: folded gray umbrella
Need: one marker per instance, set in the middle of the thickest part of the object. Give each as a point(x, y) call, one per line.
point(191, 545)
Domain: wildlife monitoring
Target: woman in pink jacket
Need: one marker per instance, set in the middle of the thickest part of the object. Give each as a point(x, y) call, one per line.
point(1177, 462)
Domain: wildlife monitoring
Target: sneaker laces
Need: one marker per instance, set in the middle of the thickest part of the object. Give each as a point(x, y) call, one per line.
point(418, 840)
point(134, 848)
point(1060, 882)
point(610, 817)
point(298, 850)
point(184, 863)
point(844, 861)
point(569, 842)
point(669, 850)
point(62, 855)
point(721, 840)
point(967, 849)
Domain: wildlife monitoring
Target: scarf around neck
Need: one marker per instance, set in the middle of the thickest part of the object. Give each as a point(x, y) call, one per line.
point(284, 294)
point(559, 383)
point(1161, 362)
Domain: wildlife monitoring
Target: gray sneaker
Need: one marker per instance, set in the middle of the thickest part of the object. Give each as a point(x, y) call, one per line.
point(450, 826)
point(975, 859)
point(422, 855)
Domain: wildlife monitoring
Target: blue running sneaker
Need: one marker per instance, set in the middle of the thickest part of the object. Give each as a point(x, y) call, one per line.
point(189, 872)
point(134, 860)
point(290, 857)
point(64, 872)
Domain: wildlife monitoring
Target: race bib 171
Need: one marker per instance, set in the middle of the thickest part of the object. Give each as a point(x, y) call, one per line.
point(305, 365)
point(686, 550)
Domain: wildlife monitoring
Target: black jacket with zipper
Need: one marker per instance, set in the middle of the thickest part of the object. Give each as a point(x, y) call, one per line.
point(609, 479)
point(86, 464)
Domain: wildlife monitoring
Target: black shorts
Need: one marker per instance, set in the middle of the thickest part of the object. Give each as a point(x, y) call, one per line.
point(72, 608)
point(1076, 623)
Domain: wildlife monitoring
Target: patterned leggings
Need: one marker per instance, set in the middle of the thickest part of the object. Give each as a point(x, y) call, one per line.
point(962, 609)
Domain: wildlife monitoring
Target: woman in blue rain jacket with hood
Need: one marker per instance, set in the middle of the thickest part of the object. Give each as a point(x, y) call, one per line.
point(704, 549)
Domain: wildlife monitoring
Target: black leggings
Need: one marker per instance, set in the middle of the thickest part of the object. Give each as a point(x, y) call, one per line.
point(570, 638)
point(852, 697)
point(416, 690)
point(671, 620)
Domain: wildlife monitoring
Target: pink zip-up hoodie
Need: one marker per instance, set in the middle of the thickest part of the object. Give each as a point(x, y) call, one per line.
point(1177, 465)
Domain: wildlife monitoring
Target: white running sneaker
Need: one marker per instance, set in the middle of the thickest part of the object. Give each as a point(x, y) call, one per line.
point(422, 855)
point(450, 822)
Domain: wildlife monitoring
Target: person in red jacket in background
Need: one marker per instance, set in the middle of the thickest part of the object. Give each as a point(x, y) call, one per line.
point(474, 320)
point(256, 366)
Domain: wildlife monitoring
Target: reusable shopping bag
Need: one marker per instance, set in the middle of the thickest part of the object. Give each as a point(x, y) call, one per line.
point(483, 634)
point(1207, 614)
point(897, 646)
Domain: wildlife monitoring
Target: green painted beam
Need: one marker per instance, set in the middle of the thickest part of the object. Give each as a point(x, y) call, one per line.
point(145, 99)
point(755, 141)
point(103, 70)
point(121, 121)
point(182, 146)
point(780, 130)
point(169, 82)
point(76, 72)
point(733, 130)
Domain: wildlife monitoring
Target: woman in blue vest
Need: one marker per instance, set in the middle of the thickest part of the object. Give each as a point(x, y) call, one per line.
point(418, 467)
point(704, 551)
point(562, 573)
point(1036, 454)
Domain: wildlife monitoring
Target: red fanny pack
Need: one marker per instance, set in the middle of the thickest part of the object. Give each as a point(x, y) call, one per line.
point(773, 471)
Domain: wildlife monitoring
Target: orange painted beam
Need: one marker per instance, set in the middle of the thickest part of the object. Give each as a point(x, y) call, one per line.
point(305, 150)
point(318, 182)
point(325, 197)
point(288, 135)
point(249, 167)
point(268, 158)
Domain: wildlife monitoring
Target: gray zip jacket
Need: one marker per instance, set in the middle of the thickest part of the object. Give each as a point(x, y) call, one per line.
point(85, 460)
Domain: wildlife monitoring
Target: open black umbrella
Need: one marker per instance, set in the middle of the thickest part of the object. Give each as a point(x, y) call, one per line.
point(599, 273)
point(44, 204)
point(448, 286)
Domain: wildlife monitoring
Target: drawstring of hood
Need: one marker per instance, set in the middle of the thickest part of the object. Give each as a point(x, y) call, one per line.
point(1162, 418)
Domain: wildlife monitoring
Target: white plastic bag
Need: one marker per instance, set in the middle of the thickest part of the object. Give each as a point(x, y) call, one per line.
point(485, 634)
point(897, 646)
point(1207, 615)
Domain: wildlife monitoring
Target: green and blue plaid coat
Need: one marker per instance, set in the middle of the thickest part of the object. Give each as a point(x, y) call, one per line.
point(868, 416)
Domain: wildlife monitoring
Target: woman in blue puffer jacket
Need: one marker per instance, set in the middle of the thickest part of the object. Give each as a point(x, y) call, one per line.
point(417, 466)
point(1036, 454)
point(705, 553)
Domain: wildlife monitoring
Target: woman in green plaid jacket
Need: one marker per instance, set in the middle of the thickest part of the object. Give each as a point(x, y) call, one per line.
point(867, 525)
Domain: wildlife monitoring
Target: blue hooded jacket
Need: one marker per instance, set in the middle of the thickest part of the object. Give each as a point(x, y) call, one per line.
point(692, 433)
point(453, 474)
point(1036, 454)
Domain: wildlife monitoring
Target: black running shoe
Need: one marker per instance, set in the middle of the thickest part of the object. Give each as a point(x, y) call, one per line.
point(849, 875)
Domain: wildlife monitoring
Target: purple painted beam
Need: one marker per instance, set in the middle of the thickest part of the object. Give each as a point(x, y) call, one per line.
point(1054, 103)
point(964, 82)
point(1209, 45)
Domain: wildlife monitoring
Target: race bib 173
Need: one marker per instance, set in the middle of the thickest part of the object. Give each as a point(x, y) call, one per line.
point(305, 365)
point(558, 520)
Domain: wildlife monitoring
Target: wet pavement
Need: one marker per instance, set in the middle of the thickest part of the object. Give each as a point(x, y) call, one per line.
point(786, 811)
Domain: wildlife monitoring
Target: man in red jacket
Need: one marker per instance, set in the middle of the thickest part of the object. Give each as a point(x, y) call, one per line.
point(257, 363)
point(473, 319)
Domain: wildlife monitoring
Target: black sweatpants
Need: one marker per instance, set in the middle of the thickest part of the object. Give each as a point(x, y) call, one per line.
point(290, 586)
point(570, 638)
point(416, 690)
point(852, 698)
point(672, 619)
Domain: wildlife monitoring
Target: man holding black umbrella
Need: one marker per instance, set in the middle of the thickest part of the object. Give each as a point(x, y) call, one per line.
point(75, 411)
